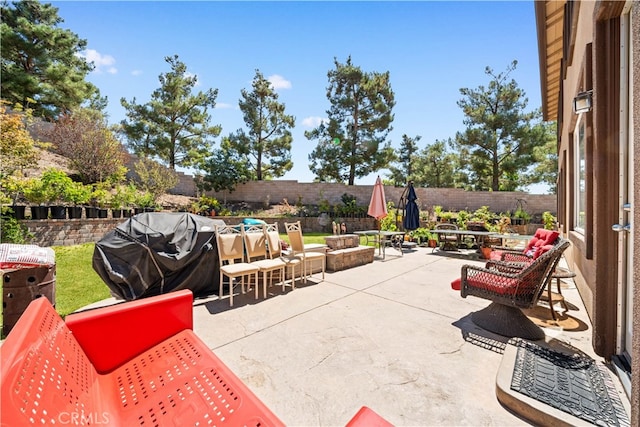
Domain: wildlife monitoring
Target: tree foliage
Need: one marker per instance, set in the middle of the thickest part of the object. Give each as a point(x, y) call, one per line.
point(405, 158)
point(224, 169)
point(500, 137)
point(267, 143)
point(174, 126)
point(18, 149)
point(41, 65)
point(436, 166)
point(154, 178)
point(545, 170)
point(91, 147)
point(352, 142)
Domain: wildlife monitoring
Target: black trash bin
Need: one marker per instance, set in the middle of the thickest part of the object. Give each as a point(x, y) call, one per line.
point(20, 286)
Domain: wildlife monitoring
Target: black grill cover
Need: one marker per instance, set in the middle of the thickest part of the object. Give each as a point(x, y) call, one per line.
point(156, 253)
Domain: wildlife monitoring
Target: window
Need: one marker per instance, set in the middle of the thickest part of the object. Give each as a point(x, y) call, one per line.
point(580, 203)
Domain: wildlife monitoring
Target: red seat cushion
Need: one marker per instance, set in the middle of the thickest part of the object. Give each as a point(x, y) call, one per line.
point(541, 238)
point(456, 284)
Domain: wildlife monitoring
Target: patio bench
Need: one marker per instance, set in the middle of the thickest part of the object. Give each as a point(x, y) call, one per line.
point(137, 363)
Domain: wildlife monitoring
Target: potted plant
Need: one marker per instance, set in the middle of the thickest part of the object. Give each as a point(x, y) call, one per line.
point(98, 202)
point(36, 195)
point(521, 217)
point(144, 202)
point(12, 189)
point(118, 199)
point(549, 220)
point(437, 210)
point(76, 194)
point(55, 183)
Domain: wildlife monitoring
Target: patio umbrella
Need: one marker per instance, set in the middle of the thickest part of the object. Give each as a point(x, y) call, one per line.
point(378, 203)
point(411, 219)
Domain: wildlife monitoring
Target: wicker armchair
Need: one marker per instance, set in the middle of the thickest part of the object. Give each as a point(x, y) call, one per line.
point(510, 287)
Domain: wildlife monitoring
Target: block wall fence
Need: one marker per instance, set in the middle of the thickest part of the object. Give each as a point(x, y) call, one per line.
point(310, 193)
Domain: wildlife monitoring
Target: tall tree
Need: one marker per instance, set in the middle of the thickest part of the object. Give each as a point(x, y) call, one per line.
point(174, 126)
point(267, 142)
point(436, 166)
point(406, 158)
point(500, 136)
point(41, 68)
point(93, 150)
point(352, 142)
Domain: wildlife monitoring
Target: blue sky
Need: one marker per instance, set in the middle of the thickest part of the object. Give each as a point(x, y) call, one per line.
point(431, 49)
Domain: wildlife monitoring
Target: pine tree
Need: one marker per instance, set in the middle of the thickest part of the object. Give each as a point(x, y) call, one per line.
point(352, 143)
point(41, 68)
point(498, 144)
point(267, 143)
point(174, 126)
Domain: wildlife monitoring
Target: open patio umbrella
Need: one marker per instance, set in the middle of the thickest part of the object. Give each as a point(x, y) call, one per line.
point(378, 203)
point(411, 219)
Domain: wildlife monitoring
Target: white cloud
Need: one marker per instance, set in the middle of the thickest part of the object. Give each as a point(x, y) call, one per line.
point(136, 72)
point(224, 106)
point(313, 121)
point(102, 63)
point(279, 82)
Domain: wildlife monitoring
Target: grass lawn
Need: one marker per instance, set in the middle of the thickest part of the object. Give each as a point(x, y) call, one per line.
point(77, 284)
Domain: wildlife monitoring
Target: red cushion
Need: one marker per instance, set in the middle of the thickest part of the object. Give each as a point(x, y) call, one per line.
point(542, 250)
point(541, 238)
point(498, 284)
point(456, 284)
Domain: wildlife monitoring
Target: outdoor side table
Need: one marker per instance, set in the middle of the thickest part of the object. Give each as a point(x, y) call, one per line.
point(554, 297)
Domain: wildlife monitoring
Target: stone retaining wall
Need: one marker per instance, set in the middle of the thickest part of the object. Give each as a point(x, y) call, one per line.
point(66, 232)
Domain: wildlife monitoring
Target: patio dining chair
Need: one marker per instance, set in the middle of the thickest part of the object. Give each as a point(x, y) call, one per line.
point(272, 236)
point(294, 232)
point(231, 255)
point(255, 242)
point(447, 242)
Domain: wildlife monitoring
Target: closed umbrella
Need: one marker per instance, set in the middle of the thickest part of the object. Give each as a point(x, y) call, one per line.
point(411, 219)
point(378, 203)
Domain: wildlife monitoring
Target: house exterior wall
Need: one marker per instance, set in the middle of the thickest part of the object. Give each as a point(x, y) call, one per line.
point(635, 234)
point(595, 65)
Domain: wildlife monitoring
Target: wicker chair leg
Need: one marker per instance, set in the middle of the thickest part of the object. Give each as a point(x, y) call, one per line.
point(507, 321)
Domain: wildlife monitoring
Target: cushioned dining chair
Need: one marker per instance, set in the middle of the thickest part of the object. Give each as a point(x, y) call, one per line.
point(272, 236)
point(294, 232)
point(255, 243)
point(231, 255)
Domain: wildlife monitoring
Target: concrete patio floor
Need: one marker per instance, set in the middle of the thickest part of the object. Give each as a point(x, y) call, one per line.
point(391, 335)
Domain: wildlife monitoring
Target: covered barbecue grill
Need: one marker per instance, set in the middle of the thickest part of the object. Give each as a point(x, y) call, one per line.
point(155, 253)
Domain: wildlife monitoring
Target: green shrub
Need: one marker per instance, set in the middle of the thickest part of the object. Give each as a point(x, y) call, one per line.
point(11, 230)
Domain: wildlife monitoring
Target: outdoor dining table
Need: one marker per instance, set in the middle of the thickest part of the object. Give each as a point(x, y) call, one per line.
point(480, 235)
point(382, 238)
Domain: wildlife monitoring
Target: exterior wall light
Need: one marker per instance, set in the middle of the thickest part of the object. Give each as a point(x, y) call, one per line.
point(583, 102)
